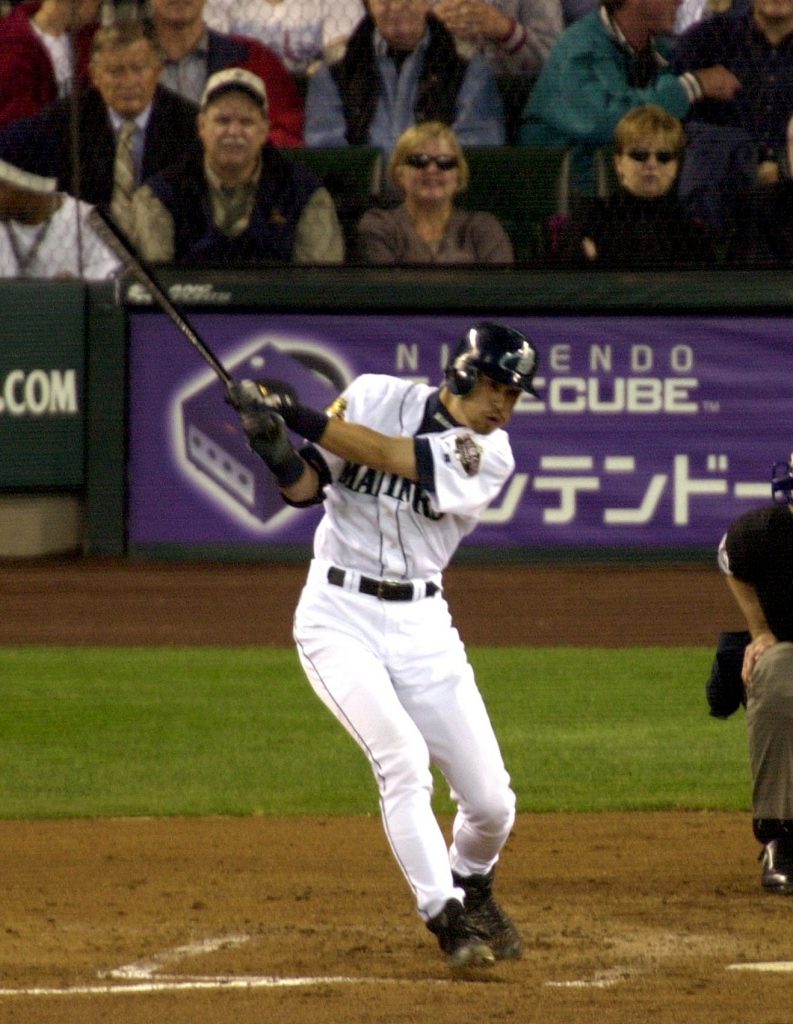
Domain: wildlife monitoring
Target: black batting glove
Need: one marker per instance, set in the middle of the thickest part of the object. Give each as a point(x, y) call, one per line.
point(275, 395)
point(252, 396)
point(266, 432)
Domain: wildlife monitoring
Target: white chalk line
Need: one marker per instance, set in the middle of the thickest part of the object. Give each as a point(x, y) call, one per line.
point(139, 977)
point(182, 984)
point(782, 966)
point(142, 970)
point(602, 979)
point(607, 979)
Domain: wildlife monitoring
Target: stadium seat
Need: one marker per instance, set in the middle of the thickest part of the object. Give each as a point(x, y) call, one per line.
point(524, 186)
point(352, 175)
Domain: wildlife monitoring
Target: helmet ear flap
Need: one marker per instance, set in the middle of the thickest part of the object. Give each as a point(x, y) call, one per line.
point(461, 381)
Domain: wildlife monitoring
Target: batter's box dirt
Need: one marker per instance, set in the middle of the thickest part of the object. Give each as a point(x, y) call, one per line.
point(625, 917)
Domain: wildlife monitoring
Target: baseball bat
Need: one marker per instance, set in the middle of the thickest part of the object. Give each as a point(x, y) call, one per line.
point(117, 241)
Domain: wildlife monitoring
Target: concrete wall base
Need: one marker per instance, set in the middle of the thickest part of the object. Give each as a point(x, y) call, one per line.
point(40, 524)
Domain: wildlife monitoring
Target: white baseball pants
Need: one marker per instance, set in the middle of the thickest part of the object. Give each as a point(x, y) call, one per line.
point(395, 674)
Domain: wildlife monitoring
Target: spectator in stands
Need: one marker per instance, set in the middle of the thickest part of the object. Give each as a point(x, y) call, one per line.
point(193, 53)
point(515, 36)
point(642, 225)
point(429, 168)
point(604, 65)
point(45, 233)
point(129, 126)
point(572, 10)
point(239, 201)
point(44, 47)
point(763, 233)
point(735, 141)
point(401, 67)
point(692, 11)
point(302, 32)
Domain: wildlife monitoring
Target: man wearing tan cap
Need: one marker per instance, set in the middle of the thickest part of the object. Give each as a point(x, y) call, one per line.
point(193, 53)
point(238, 201)
point(45, 233)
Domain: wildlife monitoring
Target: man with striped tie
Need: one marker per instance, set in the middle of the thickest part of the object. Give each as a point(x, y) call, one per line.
point(129, 127)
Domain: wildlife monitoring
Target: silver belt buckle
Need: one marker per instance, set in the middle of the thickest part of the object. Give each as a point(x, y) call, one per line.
point(381, 585)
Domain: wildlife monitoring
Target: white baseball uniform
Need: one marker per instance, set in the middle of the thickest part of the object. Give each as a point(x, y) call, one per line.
point(393, 671)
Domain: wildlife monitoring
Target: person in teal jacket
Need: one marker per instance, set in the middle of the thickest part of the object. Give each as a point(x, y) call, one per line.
point(604, 65)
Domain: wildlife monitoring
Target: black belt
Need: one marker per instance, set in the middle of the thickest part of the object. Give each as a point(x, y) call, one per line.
point(385, 590)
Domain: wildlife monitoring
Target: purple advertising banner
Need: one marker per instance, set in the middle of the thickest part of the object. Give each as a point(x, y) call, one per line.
point(650, 432)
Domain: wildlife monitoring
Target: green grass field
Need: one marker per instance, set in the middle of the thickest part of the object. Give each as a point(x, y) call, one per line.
point(193, 731)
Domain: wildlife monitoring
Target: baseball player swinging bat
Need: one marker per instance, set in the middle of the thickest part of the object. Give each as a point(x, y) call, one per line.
point(115, 240)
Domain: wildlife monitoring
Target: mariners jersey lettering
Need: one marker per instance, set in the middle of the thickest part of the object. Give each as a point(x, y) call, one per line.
point(395, 528)
point(371, 481)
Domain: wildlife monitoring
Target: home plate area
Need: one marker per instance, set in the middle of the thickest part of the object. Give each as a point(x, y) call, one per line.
point(656, 916)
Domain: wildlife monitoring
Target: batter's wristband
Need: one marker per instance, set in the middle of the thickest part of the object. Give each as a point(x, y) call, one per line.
point(288, 471)
point(309, 423)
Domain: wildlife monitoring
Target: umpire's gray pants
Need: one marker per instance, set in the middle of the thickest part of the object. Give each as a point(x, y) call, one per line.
point(769, 712)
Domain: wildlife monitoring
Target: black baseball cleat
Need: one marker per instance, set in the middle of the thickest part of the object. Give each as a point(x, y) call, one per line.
point(777, 858)
point(459, 940)
point(487, 916)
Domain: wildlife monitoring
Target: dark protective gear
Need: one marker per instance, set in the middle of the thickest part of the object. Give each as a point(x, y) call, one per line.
point(782, 482)
point(267, 434)
point(499, 352)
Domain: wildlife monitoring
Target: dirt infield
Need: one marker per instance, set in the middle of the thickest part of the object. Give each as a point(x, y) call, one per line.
point(639, 917)
point(110, 601)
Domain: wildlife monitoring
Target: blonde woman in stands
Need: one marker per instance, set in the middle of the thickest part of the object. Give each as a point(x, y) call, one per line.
point(642, 225)
point(302, 32)
point(429, 169)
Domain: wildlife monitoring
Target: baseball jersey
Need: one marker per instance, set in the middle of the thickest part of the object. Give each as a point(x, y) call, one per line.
point(386, 526)
point(51, 249)
point(758, 549)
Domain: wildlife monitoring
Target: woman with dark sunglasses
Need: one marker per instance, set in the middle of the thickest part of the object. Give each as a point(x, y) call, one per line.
point(642, 223)
point(428, 169)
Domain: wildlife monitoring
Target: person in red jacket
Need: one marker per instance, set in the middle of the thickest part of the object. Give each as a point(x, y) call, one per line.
point(44, 47)
point(193, 53)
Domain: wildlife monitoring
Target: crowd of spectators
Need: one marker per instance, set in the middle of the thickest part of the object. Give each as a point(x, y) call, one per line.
point(186, 120)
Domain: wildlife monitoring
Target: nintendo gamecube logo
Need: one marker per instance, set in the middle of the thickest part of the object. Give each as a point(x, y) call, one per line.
point(209, 445)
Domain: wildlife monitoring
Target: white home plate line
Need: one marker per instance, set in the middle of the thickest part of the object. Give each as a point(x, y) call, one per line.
point(175, 984)
point(771, 965)
point(603, 979)
point(144, 969)
point(139, 977)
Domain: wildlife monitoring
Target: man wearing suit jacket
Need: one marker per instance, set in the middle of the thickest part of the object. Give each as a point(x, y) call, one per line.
point(125, 68)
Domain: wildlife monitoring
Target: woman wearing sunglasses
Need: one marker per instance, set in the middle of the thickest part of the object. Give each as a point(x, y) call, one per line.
point(428, 169)
point(642, 223)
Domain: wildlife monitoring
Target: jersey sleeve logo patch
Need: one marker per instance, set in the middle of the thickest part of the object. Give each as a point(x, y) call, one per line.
point(338, 408)
point(469, 453)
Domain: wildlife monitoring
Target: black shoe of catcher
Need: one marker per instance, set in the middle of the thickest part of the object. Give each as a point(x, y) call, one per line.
point(777, 858)
point(462, 944)
point(487, 917)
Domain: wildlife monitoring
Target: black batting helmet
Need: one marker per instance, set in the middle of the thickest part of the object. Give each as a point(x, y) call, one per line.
point(499, 352)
